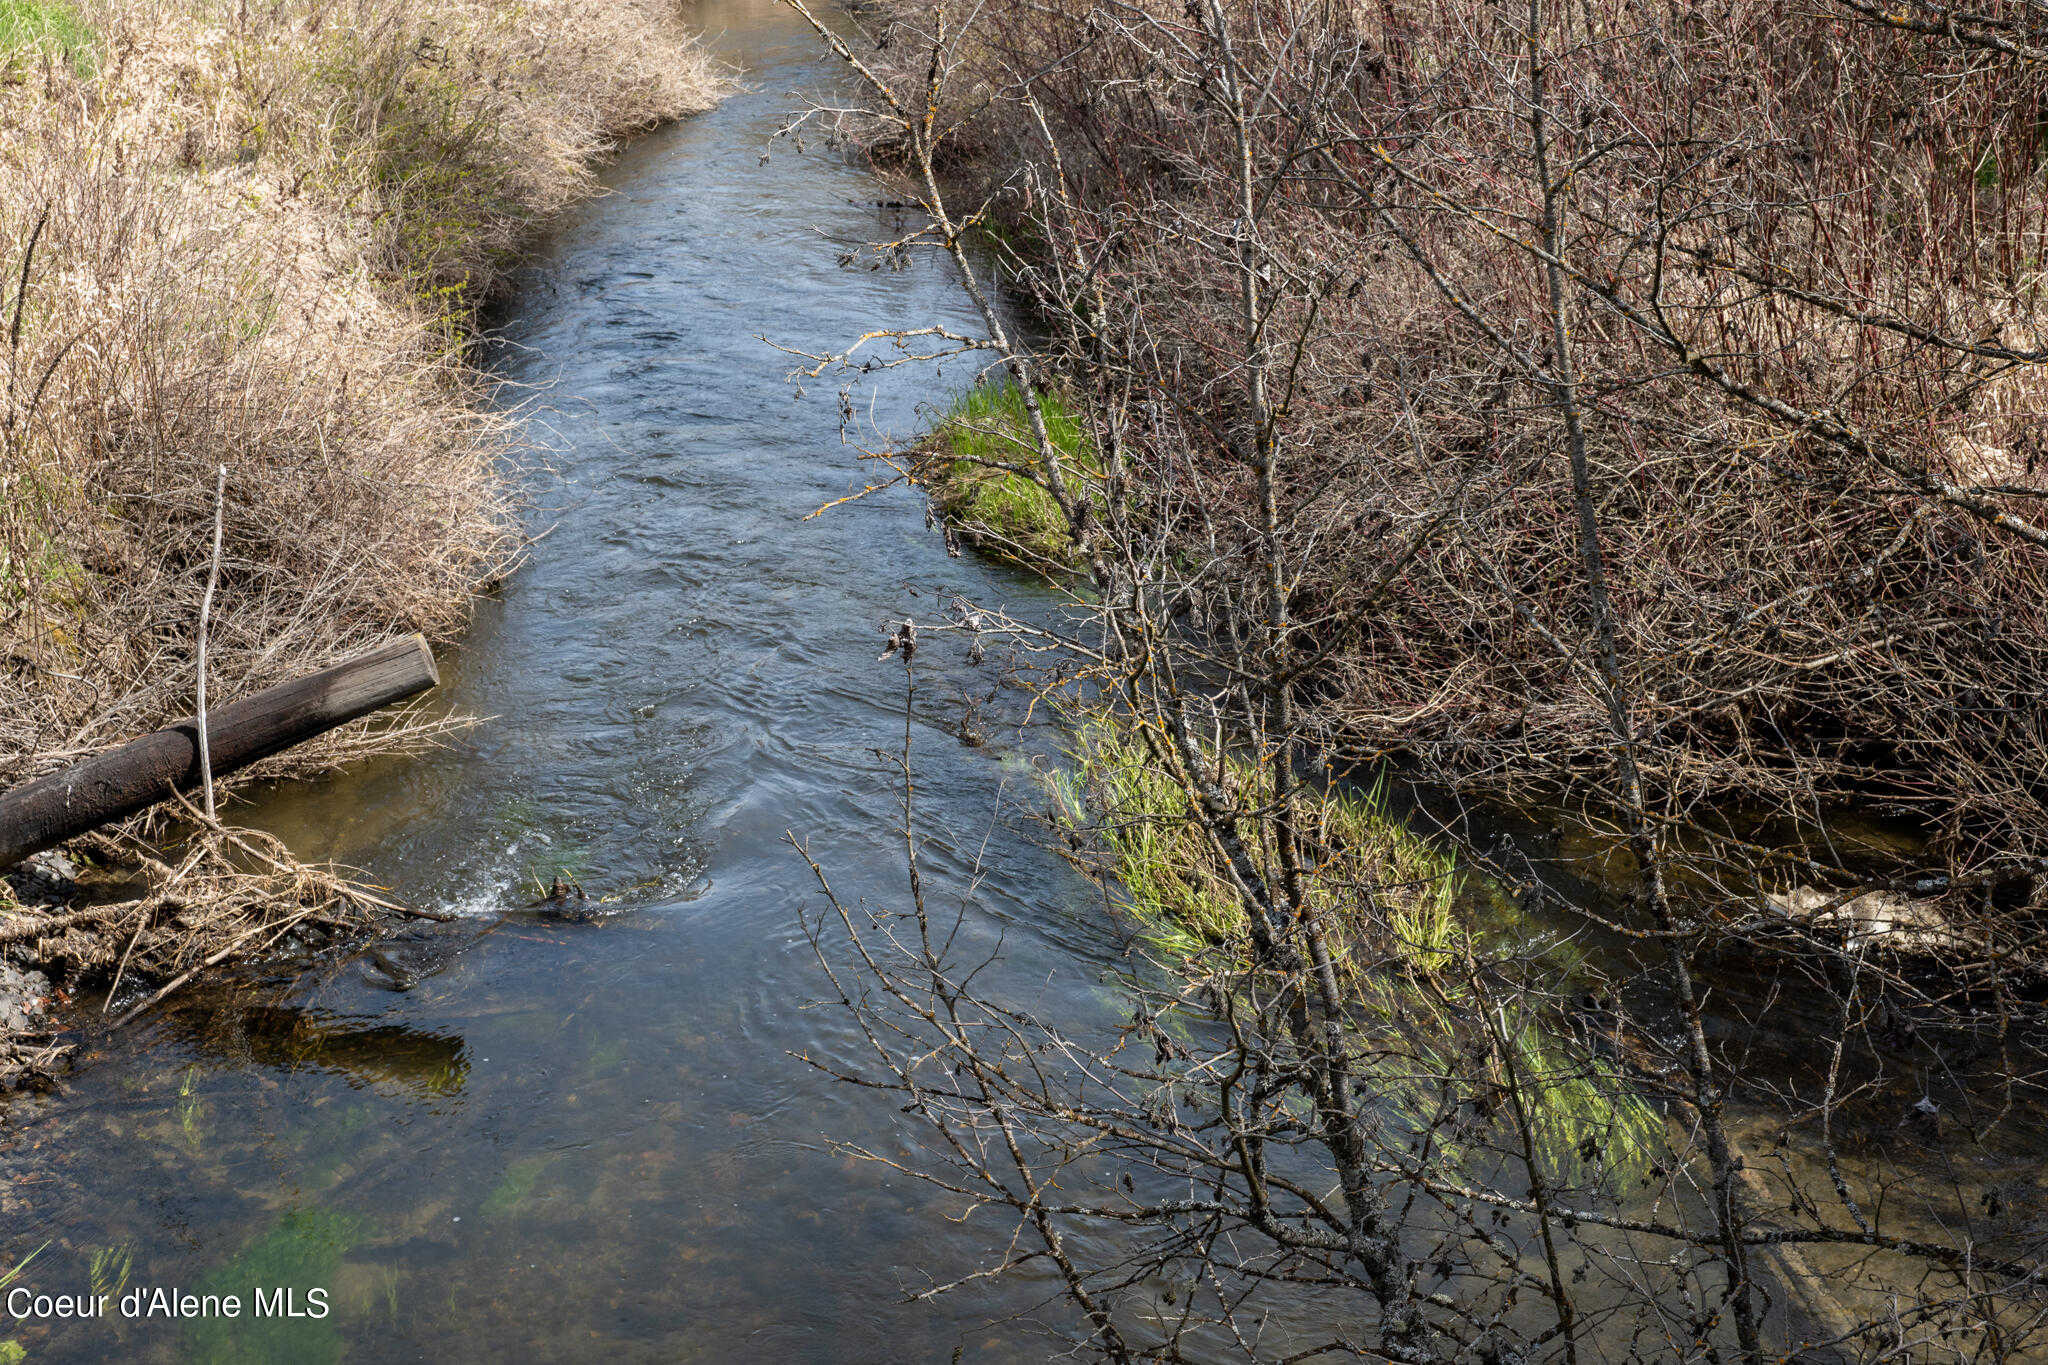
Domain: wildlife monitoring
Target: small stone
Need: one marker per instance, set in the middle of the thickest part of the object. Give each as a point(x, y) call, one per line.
point(45, 879)
point(55, 865)
point(24, 996)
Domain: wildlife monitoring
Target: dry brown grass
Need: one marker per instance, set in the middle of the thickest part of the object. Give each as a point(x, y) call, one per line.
point(253, 235)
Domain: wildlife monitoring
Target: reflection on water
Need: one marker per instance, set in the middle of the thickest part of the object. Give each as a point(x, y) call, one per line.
point(412, 1061)
point(574, 1139)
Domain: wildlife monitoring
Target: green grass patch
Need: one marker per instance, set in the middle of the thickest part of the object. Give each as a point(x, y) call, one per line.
point(1390, 893)
point(33, 29)
point(48, 571)
point(1003, 513)
point(39, 567)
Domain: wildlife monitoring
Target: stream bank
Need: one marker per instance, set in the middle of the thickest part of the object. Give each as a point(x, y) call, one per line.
point(556, 1136)
point(248, 246)
point(572, 1139)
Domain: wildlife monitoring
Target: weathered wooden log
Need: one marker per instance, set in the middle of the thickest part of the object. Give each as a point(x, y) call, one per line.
point(120, 782)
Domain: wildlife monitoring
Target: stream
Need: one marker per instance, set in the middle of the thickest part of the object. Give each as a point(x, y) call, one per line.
point(587, 1140)
point(588, 1137)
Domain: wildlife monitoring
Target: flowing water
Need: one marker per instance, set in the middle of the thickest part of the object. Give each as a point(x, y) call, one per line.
point(574, 1140)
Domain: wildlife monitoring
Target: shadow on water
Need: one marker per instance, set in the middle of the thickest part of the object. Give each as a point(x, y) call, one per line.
point(410, 1061)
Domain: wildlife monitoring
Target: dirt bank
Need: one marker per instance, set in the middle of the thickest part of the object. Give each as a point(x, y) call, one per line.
point(254, 236)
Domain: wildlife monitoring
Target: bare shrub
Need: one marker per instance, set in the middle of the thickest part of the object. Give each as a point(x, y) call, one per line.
point(242, 241)
point(1625, 418)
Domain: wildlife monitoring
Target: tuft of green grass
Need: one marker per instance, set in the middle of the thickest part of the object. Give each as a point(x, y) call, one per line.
point(31, 29)
point(1008, 515)
point(109, 1269)
point(1389, 892)
point(13, 1273)
point(47, 571)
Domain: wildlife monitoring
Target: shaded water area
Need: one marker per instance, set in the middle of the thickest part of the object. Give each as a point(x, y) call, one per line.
point(580, 1139)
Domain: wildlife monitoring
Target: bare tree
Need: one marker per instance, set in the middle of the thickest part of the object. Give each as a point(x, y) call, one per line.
point(1622, 418)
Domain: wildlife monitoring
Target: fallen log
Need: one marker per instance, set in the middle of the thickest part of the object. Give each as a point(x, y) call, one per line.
point(116, 784)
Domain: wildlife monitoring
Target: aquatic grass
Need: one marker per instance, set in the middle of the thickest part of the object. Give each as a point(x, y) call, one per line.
point(334, 1144)
point(1406, 918)
point(303, 1251)
point(33, 28)
point(1591, 1127)
point(522, 822)
point(109, 1269)
point(515, 1190)
point(13, 1272)
point(191, 1108)
point(566, 862)
point(1006, 514)
point(12, 1352)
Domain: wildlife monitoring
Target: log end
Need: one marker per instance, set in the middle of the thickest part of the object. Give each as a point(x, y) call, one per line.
point(426, 658)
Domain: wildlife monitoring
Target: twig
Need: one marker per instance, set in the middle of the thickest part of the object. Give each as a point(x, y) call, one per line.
point(28, 257)
point(220, 492)
point(121, 967)
point(214, 960)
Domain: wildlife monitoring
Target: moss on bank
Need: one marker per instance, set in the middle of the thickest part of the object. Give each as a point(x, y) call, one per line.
point(999, 511)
